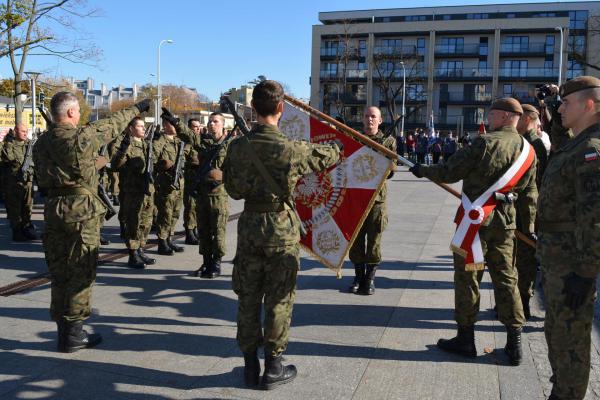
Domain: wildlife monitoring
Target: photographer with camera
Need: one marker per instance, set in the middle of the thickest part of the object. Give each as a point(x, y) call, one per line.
point(550, 118)
point(568, 211)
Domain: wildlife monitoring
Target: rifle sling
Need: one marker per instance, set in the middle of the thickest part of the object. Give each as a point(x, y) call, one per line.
point(276, 189)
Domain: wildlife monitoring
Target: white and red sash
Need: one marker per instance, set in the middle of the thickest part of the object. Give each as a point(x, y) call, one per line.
point(470, 215)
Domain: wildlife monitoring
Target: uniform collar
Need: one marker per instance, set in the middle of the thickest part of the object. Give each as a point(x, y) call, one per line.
point(583, 136)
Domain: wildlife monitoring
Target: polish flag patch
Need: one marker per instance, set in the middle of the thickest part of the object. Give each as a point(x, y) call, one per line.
point(591, 156)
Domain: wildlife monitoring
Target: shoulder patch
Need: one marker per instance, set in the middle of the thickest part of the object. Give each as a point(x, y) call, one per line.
point(591, 155)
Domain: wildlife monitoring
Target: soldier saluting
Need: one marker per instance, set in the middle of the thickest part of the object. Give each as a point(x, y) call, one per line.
point(568, 216)
point(65, 165)
point(497, 162)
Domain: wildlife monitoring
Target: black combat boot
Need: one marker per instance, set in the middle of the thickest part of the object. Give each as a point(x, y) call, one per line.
point(359, 275)
point(513, 348)
point(213, 270)
point(190, 238)
point(251, 369)
point(163, 248)
point(205, 263)
point(463, 343)
point(147, 260)
point(135, 261)
point(18, 236)
point(367, 285)
point(29, 232)
point(104, 240)
point(176, 248)
point(75, 338)
point(276, 373)
point(526, 309)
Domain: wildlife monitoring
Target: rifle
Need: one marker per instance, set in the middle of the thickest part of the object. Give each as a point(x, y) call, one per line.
point(26, 166)
point(392, 128)
point(179, 166)
point(110, 211)
point(149, 170)
point(46, 117)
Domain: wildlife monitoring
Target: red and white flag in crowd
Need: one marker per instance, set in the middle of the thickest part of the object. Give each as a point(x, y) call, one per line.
point(333, 204)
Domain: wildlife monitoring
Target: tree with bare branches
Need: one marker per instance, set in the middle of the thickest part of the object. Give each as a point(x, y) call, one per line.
point(31, 28)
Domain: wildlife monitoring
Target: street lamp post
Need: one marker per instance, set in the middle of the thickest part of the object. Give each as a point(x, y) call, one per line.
point(560, 56)
point(33, 77)
point(159, 92)
point(403, 97)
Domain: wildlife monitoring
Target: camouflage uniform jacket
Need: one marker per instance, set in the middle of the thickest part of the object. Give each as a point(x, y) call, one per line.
point(65, 158)
point(569, 205)
point(390, 143)
point(287, 161)
point(131, 165)
point(164, 166)
point(481, 165)
point(540, 153)
point(13, 156)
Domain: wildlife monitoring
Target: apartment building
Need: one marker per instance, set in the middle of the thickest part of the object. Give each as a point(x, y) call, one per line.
point(455, 59)
point(102, 98)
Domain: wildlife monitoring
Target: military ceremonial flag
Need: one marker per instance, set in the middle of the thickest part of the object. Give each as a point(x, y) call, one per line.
point(333, 204)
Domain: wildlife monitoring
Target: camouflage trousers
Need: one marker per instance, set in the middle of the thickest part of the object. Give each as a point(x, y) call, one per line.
point(137, 215)
point(265, 275)
point(568, 334)
point(189, 205)
point(71, 251)
point(212, 213)
point(113, 183)
point(366, 249)
point(497, 248)
point(526, 266)
point(168, 205)
point(18, 198)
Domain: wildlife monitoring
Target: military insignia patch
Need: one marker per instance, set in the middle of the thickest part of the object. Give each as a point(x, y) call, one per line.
point(591, 156)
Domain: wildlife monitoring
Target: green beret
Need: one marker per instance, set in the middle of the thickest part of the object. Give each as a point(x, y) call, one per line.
point(579, 83)
point(530, 108)
point(507, 104)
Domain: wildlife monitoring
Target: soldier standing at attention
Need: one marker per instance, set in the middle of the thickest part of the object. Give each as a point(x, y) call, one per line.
point(482, 167)
point(65, 165)
point(189, 198)
point(129, 161)
point(168, 197)
point(267, 257)
point(18, 186)
point(525, 254)
point(365, 252)
point(568, 212)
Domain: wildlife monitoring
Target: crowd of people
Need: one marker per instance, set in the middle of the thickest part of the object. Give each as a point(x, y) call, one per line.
point(514, 179)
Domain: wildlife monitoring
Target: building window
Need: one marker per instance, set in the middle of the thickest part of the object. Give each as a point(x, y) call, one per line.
point(517, 68)
point(578, 19)
point(576, 44)
point(507, 90)
point(415, 92)
point(451, 68)
point(483, 65)
point(446, 17)
point(483, 46)
point(550, 44)
point(362, 47)
point(511, 15)
point(478, 16)
point(574, 69)
point(515, 44)
point(548, 65)
point(421, 46)
point(452, 45)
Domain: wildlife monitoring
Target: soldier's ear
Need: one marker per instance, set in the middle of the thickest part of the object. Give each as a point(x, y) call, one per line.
point(280, 107)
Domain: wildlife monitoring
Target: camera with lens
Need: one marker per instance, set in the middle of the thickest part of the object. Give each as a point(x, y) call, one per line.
point(544, 90)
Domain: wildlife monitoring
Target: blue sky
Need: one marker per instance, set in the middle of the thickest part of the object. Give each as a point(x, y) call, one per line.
point(218, 44)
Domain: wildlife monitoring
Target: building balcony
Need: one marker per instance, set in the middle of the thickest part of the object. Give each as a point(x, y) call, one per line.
point(353, 74)
point(395, 51)
point(331, 53)
point(522, 49)
point(465, 98)
point(445, 74)
point(398, 74)
point(346, 98)
point(525, 98)
point(528, 74)
point(465, 50)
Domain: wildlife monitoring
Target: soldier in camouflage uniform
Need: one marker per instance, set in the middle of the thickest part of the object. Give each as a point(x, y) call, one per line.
point(480, 166)
point(65, 165)
point(525, 254)
point(267, 257)
point(365, 252)
point(568, 214)
point(189, 198)
point(18, 187)
point(168, 197)
point(129, 161)
point(212, 203)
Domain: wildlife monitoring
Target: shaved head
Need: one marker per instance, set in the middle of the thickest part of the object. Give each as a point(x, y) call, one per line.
point(371, 120)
